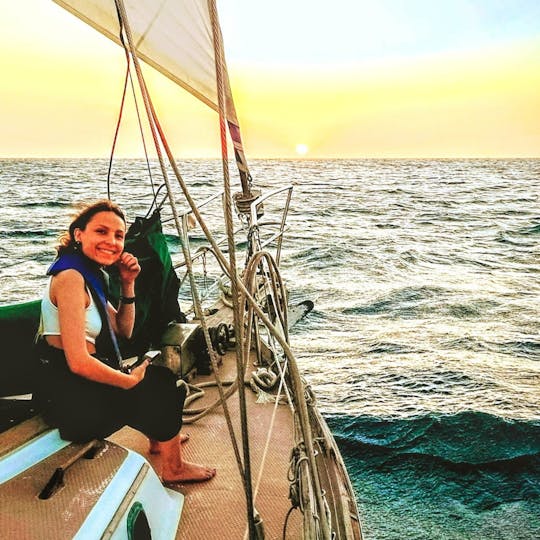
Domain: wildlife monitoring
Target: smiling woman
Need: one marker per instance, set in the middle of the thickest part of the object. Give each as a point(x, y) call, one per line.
point(83, 389)
point(102, 240)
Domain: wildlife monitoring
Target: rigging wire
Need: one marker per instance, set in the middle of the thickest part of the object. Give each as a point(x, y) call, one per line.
point(120, 116)
point(115, 139)
point(295, 377)
point(154, 200)
point(149, 169)
point(158, 135)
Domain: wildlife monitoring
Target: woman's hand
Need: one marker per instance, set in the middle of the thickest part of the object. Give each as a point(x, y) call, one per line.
point(128, 268)
point(123, 319)
point(137, 374)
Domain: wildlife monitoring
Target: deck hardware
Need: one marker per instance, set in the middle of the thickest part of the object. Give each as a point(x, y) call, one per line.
point(56, 481)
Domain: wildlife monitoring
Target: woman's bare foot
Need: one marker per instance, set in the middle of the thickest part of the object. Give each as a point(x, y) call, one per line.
point(188, 472)
point(176, 470)
point(155, 446)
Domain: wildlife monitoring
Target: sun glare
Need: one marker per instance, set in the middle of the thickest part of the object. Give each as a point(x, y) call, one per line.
point(302, 149)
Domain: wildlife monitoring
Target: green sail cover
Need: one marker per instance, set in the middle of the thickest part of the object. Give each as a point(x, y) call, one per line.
point(18, 327)
point(156, 287)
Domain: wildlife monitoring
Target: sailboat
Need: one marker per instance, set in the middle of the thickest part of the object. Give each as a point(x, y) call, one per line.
point(250, 412)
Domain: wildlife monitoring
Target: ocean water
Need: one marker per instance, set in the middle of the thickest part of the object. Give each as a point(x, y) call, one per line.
point(423, 348)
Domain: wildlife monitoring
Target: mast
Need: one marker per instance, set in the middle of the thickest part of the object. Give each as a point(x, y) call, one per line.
point(244, 199)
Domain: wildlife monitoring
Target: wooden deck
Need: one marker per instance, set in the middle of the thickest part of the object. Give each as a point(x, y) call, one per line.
point(217, 509)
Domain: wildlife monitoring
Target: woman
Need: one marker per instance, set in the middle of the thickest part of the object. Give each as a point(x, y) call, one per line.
point(83, 392)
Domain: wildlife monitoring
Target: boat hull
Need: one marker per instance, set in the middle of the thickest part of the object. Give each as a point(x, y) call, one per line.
point(96, 496)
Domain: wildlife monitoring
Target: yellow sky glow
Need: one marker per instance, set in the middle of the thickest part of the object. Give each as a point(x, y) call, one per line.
point(60, 97)
point(481, 106)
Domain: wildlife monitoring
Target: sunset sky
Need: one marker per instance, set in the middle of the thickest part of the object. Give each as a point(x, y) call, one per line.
point(312, 78)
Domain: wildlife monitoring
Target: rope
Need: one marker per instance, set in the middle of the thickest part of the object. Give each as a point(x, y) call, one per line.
point(115, 138)
point(246, 296)
point(267, 443)
point(238, 329)
point(254, 269)
point(278, 290)
point(221, 401)
point(250, 281)
point(154, 200)
point(156, 130)
point(120, 115)
point(285, 523)
point(139, 121)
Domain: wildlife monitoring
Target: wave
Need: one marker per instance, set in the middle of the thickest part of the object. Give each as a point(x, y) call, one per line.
point(414, 302)
point(326, 257)
point(529, 349)
point(461, 466)
point(402, 300)
point(533, 229)
point(468, 438)
point(43, 204)
point(390, 347)
point(28, 233)
point(518, 237)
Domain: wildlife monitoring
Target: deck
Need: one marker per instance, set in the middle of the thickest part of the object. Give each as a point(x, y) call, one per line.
point(217, 509)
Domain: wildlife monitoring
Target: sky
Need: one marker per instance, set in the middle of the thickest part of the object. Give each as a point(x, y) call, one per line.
point(311, 79)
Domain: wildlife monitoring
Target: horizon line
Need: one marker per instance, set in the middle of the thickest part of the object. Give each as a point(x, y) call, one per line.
point(290, 158)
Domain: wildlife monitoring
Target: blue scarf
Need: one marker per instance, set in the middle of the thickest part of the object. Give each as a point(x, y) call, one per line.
point(95, 278)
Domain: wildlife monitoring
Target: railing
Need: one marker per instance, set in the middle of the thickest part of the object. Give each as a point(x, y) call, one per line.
point(253, 233)
point(259, 231)
point(257, 224)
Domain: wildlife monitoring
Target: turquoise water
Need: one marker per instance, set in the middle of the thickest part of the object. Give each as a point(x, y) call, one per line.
point(423, 348)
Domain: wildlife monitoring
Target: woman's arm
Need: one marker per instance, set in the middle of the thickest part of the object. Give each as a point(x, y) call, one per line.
point(69, 294)
point(124, 319)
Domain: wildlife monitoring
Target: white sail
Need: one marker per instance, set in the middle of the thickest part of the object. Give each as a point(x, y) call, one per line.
point(161, 29)
point(176, 38)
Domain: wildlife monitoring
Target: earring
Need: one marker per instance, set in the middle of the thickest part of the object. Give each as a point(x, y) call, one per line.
point(77, 246)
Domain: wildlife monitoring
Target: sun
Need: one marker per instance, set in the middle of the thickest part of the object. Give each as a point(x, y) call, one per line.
point(302, 149)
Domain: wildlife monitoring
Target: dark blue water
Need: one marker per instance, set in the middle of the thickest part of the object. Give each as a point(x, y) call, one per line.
point(424, 345)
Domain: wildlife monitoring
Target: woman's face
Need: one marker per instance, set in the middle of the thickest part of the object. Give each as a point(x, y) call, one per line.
point(102, 240)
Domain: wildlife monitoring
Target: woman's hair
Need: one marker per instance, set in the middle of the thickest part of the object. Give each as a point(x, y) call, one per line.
point(66, 242)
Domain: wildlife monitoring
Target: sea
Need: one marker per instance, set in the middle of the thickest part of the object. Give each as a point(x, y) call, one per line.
point(423, 348)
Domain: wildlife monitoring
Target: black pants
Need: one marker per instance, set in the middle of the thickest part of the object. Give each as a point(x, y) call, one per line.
point(83, 410)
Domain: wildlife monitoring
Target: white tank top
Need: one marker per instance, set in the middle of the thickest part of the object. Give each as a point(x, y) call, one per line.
point(51, 323)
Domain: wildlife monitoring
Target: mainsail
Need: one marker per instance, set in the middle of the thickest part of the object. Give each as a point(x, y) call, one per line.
point(176, 38)
point(161, 29)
